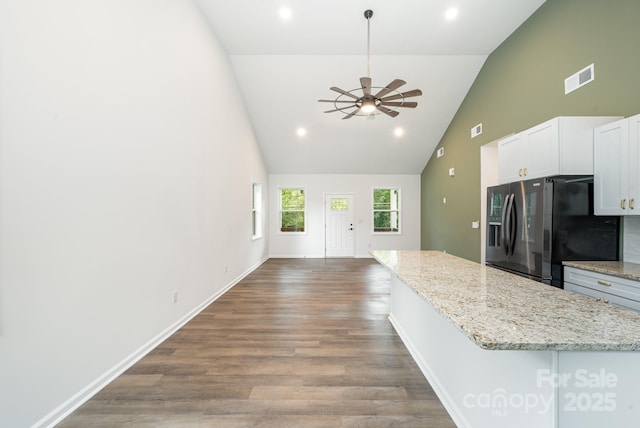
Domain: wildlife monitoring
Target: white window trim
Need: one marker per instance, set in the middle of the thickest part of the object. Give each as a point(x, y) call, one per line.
point(306, 225)
point(399, 210)
point(256, 211)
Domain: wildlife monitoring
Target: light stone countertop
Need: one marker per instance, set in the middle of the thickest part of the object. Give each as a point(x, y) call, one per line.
point(501, 311)
point(620, 269)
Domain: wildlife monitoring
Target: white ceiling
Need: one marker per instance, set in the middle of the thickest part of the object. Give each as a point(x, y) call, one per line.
point(284, 66)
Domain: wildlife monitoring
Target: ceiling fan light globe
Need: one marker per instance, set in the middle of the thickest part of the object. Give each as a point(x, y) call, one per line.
point(368, 107)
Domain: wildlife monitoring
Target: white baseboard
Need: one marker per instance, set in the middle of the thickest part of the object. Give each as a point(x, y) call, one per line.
point(296, 256)
point(65, 409)
point(315, 256)
point(364, 256)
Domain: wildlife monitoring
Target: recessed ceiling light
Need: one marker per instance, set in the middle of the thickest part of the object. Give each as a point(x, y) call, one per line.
point(398, 132)
point(285, 13)
point(451, 14)
point(301, 132)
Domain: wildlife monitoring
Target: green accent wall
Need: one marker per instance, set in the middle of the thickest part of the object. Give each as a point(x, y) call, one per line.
point(520, 85)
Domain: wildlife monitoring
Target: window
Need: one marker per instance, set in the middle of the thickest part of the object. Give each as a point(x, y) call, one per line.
point(339, 204)
point(386, 210)
point(256, 211)
point(292, 210)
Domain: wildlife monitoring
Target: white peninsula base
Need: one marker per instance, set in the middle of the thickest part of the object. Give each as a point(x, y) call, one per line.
point(516, 388)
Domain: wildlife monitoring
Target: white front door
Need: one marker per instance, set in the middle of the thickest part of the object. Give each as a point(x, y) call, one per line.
point(339, 227)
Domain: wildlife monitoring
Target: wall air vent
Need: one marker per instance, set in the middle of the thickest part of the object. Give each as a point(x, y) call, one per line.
point(579, 79)
point(476, 130)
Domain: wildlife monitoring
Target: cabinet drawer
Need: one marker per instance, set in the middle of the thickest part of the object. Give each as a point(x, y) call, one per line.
point(589, 292)
point(621, 301)
point(611, 285)
point(601, 297)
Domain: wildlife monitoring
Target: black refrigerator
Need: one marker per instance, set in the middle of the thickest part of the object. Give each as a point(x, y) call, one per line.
point(533, 225)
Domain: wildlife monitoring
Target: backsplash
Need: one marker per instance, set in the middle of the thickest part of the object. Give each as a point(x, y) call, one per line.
point(631, 240)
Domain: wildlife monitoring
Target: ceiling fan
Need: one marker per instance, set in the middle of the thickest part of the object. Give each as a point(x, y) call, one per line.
point(368, 104)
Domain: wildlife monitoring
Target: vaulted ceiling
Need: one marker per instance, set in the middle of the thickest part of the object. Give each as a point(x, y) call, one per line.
point(285, 65)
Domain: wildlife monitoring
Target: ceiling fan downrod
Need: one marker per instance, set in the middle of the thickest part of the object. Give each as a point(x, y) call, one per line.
point(368, 14)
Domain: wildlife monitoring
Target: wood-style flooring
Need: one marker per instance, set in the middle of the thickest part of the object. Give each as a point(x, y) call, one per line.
point(297, 343)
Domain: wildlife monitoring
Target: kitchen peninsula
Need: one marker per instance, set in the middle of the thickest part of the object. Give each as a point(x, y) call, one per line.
point(502, 351)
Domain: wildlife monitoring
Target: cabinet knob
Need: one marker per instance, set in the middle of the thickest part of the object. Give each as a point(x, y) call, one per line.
point(598, 299)
point(623, 203)
point(606, 300)
point(631, 201)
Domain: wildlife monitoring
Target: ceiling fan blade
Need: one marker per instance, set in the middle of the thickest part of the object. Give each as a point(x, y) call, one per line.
point(387, 111)
point(343, 92)
point(410, 104)
point(350, 115)
point(390, 87)
point(339, 109)
point(412, 93)
point(366, 86)
point(335, 101)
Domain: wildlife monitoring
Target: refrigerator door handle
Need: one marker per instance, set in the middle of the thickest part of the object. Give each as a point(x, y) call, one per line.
point(507, 225)
point(503, 229)
point(513, 225)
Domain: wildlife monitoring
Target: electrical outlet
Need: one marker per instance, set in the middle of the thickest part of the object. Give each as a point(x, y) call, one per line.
point(174, 296)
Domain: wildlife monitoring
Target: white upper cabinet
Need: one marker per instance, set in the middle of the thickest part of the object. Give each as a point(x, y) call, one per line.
point(562, 145)
point(616, 167)
point(508, 159)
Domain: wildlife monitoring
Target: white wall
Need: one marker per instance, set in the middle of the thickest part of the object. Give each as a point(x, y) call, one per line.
point(126, 164)
point(631, 239)
point(311, 244)
point(488, 178)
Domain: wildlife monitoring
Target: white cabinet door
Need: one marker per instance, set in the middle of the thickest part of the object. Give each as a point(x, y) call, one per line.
point(540, 150)
point(616, 166)
point(633, 171)
point(529, 154)
point(610, 166)
point(509, 160)
point(562, 145)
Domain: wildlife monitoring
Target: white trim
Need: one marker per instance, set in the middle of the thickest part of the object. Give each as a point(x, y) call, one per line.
point(296, 256)
point(304, 190)
point(324, 219)
point(256, 211)
point(65, 409)
point(399, 210)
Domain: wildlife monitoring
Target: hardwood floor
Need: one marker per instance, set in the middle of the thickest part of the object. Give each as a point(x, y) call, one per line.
point(297, 343)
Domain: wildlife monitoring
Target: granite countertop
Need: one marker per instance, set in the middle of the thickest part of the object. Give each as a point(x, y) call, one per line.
point(501, 311)
point(620, 269)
